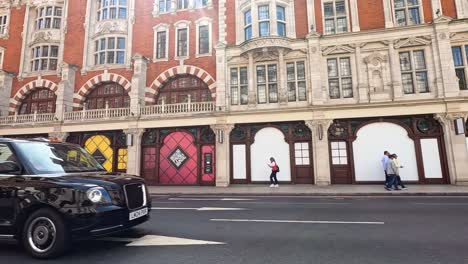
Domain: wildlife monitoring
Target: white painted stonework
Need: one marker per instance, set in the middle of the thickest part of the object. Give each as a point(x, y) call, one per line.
point(431, 158)
point(239, 165)
point(269, 142)
point(467, 144)
point(372, 140)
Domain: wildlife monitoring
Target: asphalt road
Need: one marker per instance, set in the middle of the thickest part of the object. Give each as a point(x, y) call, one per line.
point(261, 230)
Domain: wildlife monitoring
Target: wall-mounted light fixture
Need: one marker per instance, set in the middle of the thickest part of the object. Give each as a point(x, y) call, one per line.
point(459, 126)
point(220, 136)
point(129, 140)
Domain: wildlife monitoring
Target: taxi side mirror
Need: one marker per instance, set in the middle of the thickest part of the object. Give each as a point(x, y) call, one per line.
point(9, 167)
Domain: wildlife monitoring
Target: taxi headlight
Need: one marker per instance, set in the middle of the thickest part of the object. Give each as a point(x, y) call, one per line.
point(98, 195)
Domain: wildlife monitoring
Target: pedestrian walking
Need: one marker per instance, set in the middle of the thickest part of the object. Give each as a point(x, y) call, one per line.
point(384, 161)
point(392, 171)
point(398, 180)
point(274, 170)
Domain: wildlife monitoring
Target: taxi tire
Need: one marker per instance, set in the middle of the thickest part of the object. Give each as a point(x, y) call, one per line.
point(62, 238)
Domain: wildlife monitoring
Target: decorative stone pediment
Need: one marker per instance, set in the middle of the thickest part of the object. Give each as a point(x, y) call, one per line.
point(301, 53)
point(237, 60)
point(459, 36)
point(266, 43)
point(43, 2)
point(340, 49)
point(412, 41)
point(110, 27)
point(45, 36)
point(265, 56)
point(375, 58)
point(375, 45)
point(10, 3)
point(443, 19)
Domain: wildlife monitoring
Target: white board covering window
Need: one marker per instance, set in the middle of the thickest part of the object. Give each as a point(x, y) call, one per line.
point(431, 158)
point(239, 159)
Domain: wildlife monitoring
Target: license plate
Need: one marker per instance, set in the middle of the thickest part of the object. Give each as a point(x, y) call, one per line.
point(138, 214)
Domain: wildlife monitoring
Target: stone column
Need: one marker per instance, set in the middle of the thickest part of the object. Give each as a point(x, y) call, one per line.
point(66, 89)
point(57, 134)
point(282, 90)
point(395, 71)
point(221, 89)
point(387, 5)
point(137, 93)
point(252, 90)
point(223, 160)
point(6, 81)
point(321, 153)
point(362, 87)
point(134, 151)
point(457, 152)
point(445, 62)
point(354, 16)
point(311, 15)
point(314, 69)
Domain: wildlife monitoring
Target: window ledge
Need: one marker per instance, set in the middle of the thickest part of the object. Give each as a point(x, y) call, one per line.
point(160, 60)
point(106, 67)
point(39, 73)
point(203, 55)
point(181, 57)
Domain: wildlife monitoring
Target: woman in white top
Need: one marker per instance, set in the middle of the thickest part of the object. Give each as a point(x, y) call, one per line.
point(274, 170)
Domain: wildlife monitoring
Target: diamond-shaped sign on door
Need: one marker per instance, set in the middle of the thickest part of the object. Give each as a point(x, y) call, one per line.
point(178, 158)
point(99, 157)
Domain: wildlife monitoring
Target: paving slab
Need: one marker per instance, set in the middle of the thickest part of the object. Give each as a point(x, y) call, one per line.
point(312, 190)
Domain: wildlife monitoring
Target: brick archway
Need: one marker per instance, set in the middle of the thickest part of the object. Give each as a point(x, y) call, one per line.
point(164, 77)
point(80, 96)
point(15, 102)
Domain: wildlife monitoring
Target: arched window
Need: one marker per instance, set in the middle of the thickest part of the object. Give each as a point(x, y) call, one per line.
point(112, 93)
point(178, 89)
point(41, 100)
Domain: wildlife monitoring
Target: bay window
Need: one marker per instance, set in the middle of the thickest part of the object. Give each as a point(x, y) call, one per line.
point(281, 21)
point(110, 50)
point(49, 17)
point(248, 25)
point(44, 58)
point(111, 9)
point(264, 20)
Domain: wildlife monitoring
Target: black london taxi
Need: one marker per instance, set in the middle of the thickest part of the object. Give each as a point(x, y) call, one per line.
point(52, 193)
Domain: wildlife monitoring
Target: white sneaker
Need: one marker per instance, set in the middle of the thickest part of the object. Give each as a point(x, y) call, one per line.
point(272, 185)
point(276, 186)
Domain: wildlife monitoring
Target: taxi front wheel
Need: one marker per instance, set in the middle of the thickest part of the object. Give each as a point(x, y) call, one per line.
point(45, 234)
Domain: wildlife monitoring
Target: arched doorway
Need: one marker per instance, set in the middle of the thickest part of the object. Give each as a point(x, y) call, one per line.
point(41, 100)
point(108, 148)
point(269, 142)
point(180, 87)
point(113, 94)
point(179, 156)
point(372, 140)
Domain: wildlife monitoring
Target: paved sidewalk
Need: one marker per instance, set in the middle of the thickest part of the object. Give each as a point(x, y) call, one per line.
point(312, 190)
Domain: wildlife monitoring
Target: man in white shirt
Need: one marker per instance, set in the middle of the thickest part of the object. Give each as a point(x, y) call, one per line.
point(384, 161)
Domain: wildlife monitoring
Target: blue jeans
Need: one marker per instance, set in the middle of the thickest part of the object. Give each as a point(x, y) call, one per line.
point(392, 180)
point(273, 179)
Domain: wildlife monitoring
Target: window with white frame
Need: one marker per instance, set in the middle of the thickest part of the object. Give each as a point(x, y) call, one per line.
point(339, 153)
point(182, 4)
point(407, 12)
point(44, 58)
point(203, 39)
point(340, 81)
point(248, 25)
point(164, 6)
point(414, 72)
point(264, 20)
point(109, 50)
point(301, 153)
point(460, 59)
point(267, 84)
point(335, 17)
point(297, 89)
point(161, 45)
point(3, 24)
point(182, 42)
point(111, 9)
point(49, 17)
point(281, 21)
point(239, 86)
point(200, 3)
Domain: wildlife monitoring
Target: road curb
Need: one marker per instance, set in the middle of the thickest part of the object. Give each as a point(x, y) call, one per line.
point(389, 194)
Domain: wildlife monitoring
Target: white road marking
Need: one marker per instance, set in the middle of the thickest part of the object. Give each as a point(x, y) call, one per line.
point(292, 203)
point(152, 240)
point(210, 199)
point(297, 221)
point(199, 209)
point(458, 204)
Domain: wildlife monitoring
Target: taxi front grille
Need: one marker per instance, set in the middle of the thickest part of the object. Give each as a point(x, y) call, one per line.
point(135, 195)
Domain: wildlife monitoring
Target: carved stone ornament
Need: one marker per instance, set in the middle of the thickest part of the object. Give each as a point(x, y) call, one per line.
point(110, 27)
point(412, 41)
point(375, 58)
point(45, 36)
point(266, 43)
point(340, 49)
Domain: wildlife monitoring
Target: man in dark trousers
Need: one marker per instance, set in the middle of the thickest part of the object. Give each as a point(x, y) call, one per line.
point(392, 172)
point(384, 161)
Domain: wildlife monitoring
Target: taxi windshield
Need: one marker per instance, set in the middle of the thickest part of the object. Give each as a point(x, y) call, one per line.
point(53, 158)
